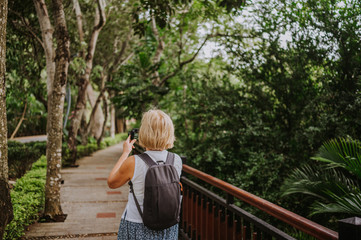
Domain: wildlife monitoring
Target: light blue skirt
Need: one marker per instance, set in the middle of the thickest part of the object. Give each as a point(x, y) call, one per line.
point(137, 231)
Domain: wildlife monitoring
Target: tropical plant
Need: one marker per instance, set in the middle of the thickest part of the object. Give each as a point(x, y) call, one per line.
point(334, 181)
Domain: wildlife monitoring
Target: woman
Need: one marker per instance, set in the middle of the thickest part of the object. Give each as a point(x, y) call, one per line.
point(156, 135)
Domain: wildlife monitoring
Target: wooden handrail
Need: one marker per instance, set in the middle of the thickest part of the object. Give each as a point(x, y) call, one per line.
point(316, 230)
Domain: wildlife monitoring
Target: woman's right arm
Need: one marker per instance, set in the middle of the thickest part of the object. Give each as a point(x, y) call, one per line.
point(123, 170)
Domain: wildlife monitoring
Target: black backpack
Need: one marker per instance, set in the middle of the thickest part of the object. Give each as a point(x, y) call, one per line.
point(162, 194)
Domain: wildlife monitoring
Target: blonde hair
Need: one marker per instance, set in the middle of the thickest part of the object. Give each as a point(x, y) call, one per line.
point(156, 131)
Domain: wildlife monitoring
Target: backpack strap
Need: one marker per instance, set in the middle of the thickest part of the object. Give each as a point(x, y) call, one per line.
point(136, 200)
point(145, 157)
point(170, 158)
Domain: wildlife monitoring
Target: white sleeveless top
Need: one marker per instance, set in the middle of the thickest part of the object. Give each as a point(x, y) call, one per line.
point(131, 212)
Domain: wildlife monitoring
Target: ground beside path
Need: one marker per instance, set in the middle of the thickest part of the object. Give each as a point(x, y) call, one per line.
point(94, 210)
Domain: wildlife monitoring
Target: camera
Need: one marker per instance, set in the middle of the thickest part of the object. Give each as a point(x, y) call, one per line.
point(133, 133)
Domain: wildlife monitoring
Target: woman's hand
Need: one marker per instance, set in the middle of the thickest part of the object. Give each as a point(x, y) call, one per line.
point(128, 145)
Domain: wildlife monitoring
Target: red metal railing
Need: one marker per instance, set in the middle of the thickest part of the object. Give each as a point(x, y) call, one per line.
point(205, 215)
point(203, 220)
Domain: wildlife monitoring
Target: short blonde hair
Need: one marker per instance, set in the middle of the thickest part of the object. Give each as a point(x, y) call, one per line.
point(156, 131)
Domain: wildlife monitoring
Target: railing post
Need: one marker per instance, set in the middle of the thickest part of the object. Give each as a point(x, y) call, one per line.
point(349, 229)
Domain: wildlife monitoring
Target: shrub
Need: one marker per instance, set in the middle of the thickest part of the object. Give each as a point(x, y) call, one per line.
point(27, 198)
point(22, 155)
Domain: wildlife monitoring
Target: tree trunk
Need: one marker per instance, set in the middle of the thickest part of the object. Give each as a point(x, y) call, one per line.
point(84, 80)
point(105, 104)
point(79, 21)
point(96, 107)
point(158, 52)
point(47, 36)
point(112, 121)
point(6, 209)
point(83, 129)
point(53, 209)
point(97, 119)
point(121, 125)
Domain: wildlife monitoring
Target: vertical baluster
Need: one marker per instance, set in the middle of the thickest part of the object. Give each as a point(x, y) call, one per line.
point(258, 232)
point(239, 228)
point(213, 232)
point(244, 231)
point(185, 210)
point(234, 229)
point(208, 222)
point(219, 223)
point(196, 215)
point(226, 227)
point(230, 225)
point(190, 216)
point(248, 231)
point(254, 236)
point(203, 220)
point(215, 221)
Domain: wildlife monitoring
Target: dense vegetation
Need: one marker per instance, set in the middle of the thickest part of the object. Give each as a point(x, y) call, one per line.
point(22, 155)
point(285, 82)
point(28, 199)
point(277, 84)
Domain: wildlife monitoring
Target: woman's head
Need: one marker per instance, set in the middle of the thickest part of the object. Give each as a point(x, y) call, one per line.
point(156, 131)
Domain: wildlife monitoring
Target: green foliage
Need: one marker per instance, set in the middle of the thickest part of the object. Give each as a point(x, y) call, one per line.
point(27, 198)
point(22, 155)
point(334, 181)
point(301, 235)
point(266, 108)
point(26, 74)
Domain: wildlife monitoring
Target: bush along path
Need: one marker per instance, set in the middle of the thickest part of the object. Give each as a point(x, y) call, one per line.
point(93, 210)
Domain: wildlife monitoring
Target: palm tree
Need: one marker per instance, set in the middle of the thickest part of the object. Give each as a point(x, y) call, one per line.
point(335, 182)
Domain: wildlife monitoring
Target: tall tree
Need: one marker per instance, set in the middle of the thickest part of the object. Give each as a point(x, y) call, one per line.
point(98, 116)
point(5, 202)
point(84, 80)
point(119, 30)
point(55, 115)
point(57, 62)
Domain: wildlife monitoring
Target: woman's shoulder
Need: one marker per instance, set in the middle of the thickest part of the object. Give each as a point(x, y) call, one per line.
point(178, 163)
point(177, 158)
